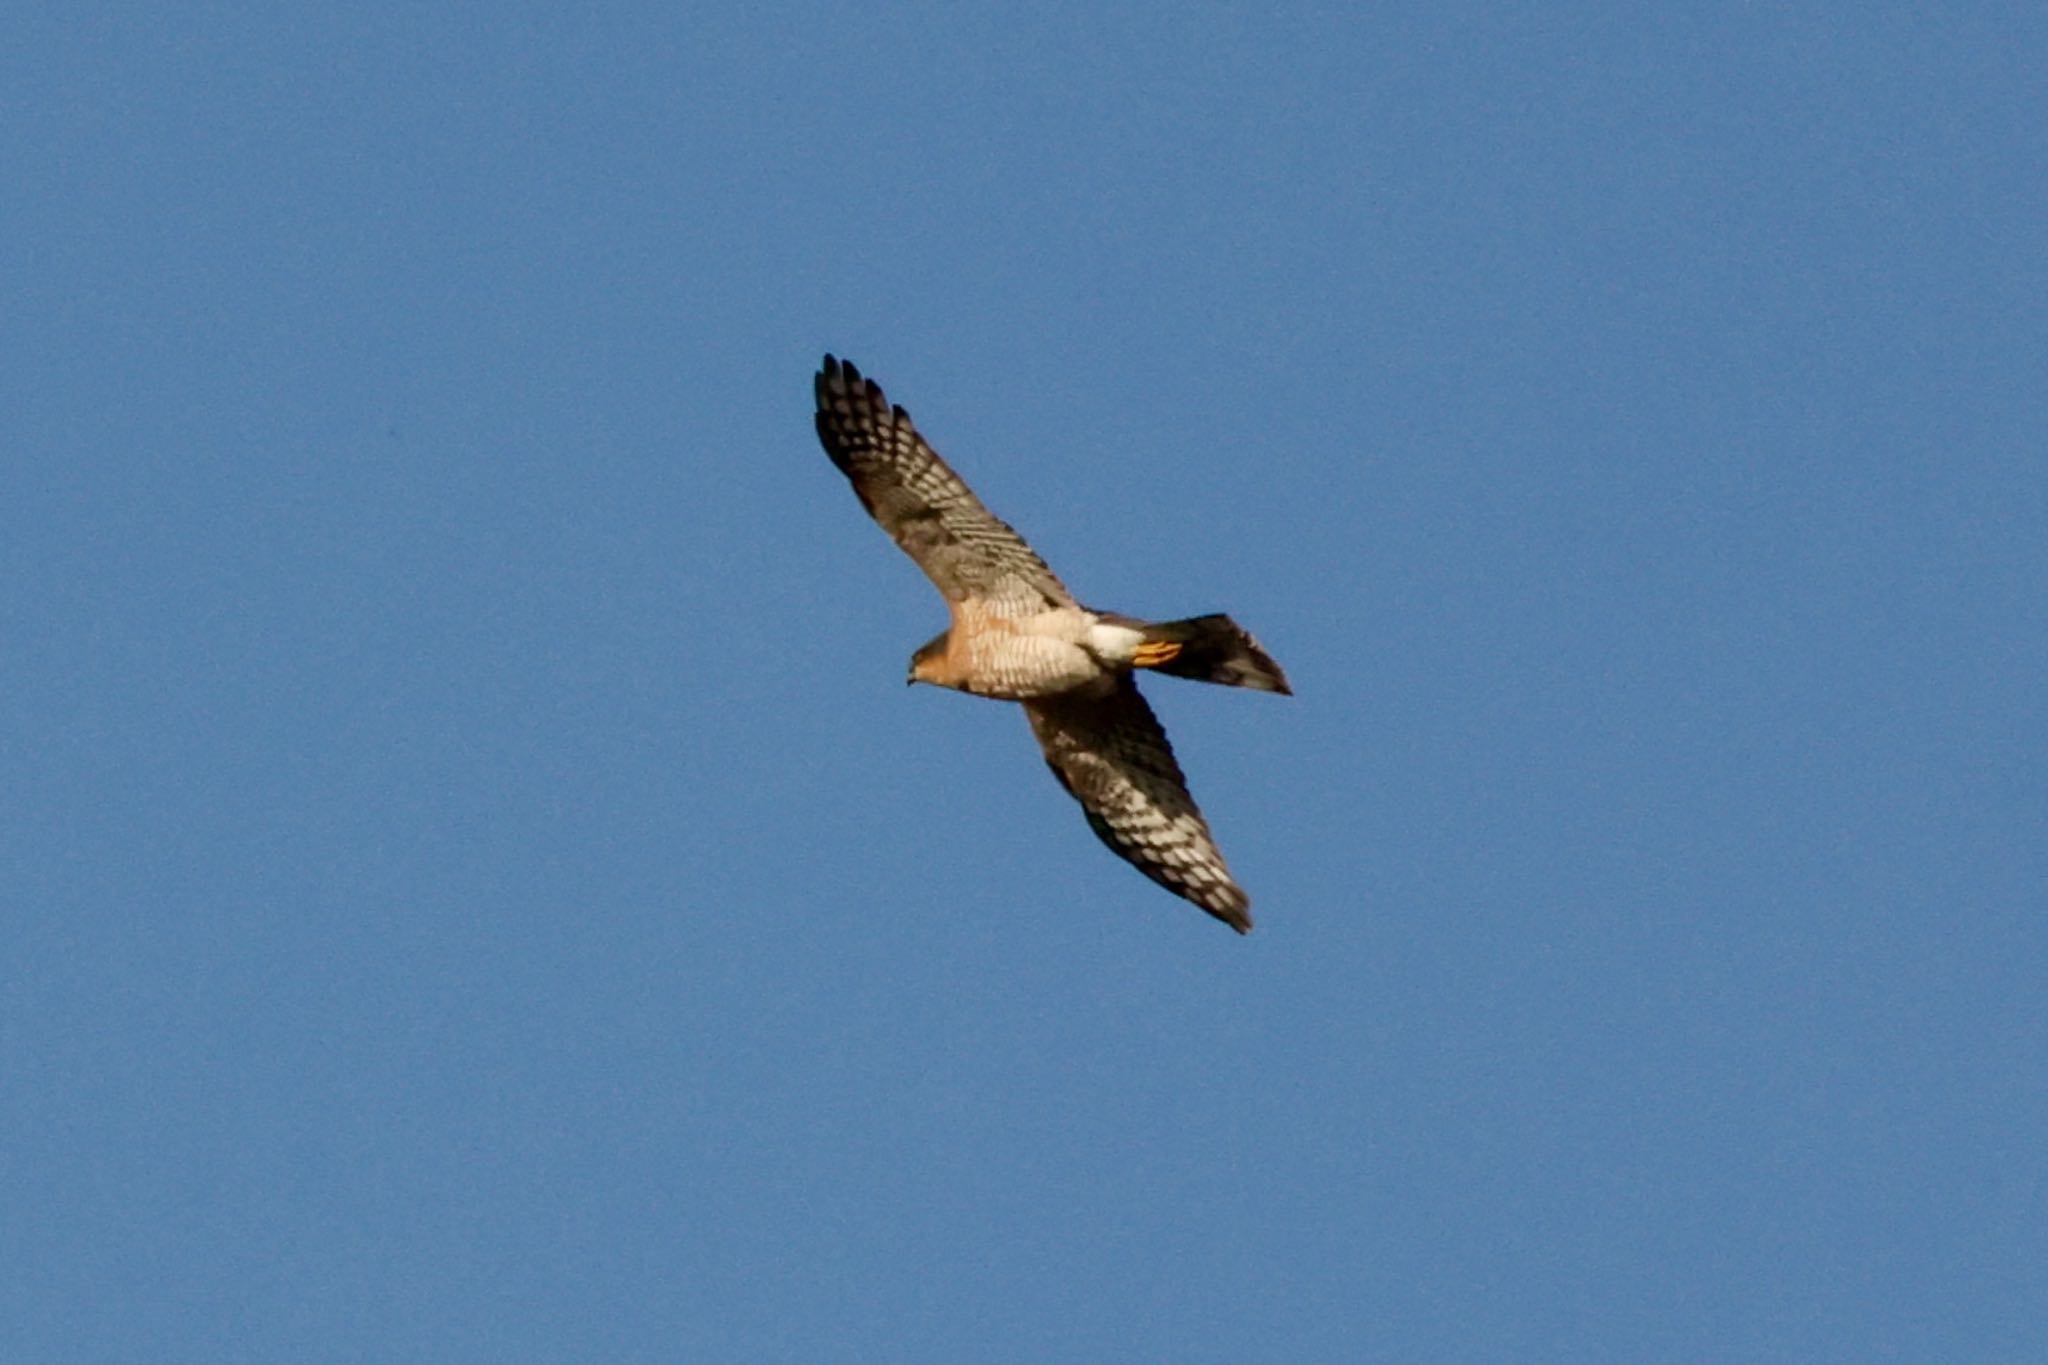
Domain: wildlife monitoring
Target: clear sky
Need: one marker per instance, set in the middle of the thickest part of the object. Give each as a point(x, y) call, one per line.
point(477, 888)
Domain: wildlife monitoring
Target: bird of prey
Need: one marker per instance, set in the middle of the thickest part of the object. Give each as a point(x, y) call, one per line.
point(1018, 635)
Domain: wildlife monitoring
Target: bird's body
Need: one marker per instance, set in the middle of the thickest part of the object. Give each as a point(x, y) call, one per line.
point(1019, 658)
point(1018, 635)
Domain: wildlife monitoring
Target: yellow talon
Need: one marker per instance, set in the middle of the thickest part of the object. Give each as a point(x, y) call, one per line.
point(1154, 653)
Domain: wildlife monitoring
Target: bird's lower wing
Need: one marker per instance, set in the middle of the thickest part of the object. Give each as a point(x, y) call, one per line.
point(1112, 756)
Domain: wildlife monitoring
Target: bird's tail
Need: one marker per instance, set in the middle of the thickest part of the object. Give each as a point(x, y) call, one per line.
point(1212, 649)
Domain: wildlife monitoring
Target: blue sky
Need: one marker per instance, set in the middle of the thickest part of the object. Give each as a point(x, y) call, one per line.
point(479, 889)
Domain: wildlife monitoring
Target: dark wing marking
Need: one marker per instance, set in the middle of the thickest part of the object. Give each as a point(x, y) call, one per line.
point(922, 504)
point(1111, 755)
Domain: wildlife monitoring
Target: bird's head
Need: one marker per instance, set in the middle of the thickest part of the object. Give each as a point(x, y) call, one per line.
point(924, 664)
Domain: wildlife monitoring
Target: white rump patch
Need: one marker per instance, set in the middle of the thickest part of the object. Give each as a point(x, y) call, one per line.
point(1112, 642)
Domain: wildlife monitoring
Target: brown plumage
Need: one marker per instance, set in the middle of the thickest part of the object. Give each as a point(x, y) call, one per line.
point(1017, 634)
point(1111, 754)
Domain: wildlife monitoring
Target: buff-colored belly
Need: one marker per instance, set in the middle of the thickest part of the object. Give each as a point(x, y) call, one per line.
point(1015, 667)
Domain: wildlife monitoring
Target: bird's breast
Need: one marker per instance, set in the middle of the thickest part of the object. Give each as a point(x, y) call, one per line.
point(1033, 656)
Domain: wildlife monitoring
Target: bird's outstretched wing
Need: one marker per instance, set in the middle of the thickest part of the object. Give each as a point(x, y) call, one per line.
point(923, 505)
point(1111, 755)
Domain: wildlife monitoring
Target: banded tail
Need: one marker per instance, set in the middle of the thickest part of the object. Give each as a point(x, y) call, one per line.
point(1213, 649)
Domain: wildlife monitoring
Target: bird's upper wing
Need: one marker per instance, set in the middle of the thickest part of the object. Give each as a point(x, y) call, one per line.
point(923, 505)
point(1111, 755)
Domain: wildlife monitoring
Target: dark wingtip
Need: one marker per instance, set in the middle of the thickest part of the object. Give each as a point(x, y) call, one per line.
point(844, 376)
point(1233, 908)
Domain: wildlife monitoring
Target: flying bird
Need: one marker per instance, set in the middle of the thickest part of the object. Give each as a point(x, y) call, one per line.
point(1018, 635)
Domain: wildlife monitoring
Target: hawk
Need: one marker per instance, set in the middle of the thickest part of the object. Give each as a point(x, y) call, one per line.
point(1018, 635)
